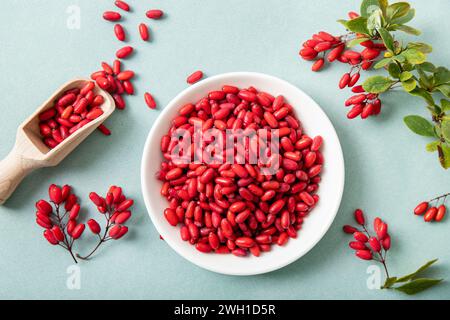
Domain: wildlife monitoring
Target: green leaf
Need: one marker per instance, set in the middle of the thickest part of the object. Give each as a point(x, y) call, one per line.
point(382, 63)
point(387, 38)
point(397, 10)
point(368, 6)
point(394, 70)
point(419, 92)
point(417, 272)
point(389, 282)
point(422, 47)
point(375, 21)
point(409, 85)
point(445, 129)
point(427, 67)
point(356, 41)
point(406, 18)
point(408, 29)
point(441, 75)
point(444, 89)
point(358, 25)
point(445, 105)
point(343, 22)
point(418, 285)
point(432, 146)
point(419, 125)
point(377, 84)
point(405, 75)
point(414, 56)
point(444, 155)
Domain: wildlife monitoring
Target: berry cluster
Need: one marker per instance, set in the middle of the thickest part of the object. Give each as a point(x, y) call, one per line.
point(433, 212)
point(336, 48)
point(61, 222)
point(369, 247)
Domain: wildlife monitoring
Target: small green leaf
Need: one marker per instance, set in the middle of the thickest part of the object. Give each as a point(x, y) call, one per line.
point(375, 21)
point(445, 129)
point(387, 38)
point(445, 105)
point(427, 67)
point(368, 6)
point(394, 70)
point(422, 47)
point(444, 155)
point(418, 285)
point(441, 75)
point(406, 18)
point(444, 89)
point(397, 10)
point(408, 29)
point(377, 84)
point(414, 56)
point(405, 75)
point(382, 63)
point(409, 85)
point(432, 146)
point(358, 25)
point(418, 271)
point(419, 125)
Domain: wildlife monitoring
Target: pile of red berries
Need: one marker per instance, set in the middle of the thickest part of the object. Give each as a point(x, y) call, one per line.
point(366, 246)
point(60, 221)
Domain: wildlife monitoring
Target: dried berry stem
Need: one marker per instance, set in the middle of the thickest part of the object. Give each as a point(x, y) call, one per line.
point(382, 259)
point(103, 238)
point(68, 246)
point(440, 197)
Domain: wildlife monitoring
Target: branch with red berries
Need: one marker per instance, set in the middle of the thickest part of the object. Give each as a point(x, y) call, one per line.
point(406, 65)
point(374, 247)
point(432, 210)
point(60, 220)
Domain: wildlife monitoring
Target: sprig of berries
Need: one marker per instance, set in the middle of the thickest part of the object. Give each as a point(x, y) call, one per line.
point(432, 210)
point(60, 220)
point(374, 29)
point(368, 247)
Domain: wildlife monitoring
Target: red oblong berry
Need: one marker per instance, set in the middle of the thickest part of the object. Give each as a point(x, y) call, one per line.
point(143, 31)
point(44, 207)
point(359, 217)
point(48, 234)
point(78, 231)
point(154, 14)
point(430, 214)
point(375, 244)
point(122, 5)
point(349, 229)
point(111, 16)
point(125, 205)
point(318, 65)
point(364, 254)
point(421, 208)
point(149, 100)
point(119, 32)
point(94, 226)
point(359, 236)
point(124, 52)
point(344, 80)
point(440, 213)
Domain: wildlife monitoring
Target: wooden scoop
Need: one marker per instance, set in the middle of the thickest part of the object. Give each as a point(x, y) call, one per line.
point(30, 152)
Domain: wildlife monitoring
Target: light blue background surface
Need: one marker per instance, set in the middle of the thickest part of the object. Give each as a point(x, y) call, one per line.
point(388, 171)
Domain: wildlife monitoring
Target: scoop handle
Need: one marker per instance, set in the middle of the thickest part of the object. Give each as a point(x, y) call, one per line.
point(12, 171)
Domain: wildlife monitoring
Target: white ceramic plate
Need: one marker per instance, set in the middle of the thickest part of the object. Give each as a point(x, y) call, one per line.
point(315, 122)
